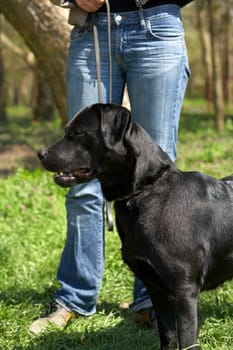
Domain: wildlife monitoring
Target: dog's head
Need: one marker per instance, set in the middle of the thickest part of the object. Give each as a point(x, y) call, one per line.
point(103, 142)
point(89, 139)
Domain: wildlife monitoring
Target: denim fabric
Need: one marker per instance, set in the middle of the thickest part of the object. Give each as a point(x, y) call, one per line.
point(149, 56)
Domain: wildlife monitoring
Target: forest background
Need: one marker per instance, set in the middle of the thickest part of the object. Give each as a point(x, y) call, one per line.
point(34, 37)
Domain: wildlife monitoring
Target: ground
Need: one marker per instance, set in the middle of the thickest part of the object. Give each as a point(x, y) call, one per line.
point(17, 156)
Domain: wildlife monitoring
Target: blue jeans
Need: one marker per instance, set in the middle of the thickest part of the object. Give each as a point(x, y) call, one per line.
point(152, 61)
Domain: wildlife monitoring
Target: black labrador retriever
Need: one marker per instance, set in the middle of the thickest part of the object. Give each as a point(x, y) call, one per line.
point(176, 227)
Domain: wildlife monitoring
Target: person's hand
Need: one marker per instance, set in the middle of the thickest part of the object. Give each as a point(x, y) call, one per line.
point(90, 5)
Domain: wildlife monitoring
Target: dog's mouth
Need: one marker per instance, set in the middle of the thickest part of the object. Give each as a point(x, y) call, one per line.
point(68, 179)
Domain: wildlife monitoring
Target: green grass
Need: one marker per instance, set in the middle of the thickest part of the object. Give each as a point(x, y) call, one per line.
point(32, 228)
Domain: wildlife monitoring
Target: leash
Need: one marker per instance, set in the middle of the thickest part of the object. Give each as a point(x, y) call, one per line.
point(190, 347)
point(109, 215)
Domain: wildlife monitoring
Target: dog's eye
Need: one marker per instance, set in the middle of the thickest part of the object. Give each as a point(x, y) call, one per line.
point(73, 134)
point(79, 132)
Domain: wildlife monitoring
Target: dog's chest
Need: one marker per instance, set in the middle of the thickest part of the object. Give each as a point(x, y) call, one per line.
point(140, 250)
point(134, 228)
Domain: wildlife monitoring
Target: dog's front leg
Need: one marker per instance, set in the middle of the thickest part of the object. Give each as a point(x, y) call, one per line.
point(187, 319)
point(165, 313)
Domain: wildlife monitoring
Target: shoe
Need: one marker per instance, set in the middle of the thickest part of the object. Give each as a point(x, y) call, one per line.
point(145, 317)
point(57, 316)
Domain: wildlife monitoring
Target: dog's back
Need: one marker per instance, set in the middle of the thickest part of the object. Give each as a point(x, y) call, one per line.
point(228, 180)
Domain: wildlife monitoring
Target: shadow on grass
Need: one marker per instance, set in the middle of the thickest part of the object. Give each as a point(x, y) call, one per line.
point(192, 122)
point(121, 336)
point(20, 138)
point(83, 333)
point(110, 328)
point(13, 160)
point(198, 125)
point(124, 335)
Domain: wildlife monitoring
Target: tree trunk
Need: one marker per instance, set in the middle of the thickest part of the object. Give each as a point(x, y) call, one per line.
point(46, 33)
point(3, 117)
point(43, 103)
point(227, 63)
point(217, 67)
point(206, 48)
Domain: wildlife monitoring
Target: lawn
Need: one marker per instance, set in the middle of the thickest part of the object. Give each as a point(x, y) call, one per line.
point(32, 227)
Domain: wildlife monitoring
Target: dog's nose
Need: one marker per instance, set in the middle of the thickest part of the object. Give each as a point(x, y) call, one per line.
point(42, 153)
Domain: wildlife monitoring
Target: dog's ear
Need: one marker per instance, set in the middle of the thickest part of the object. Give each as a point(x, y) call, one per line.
point(115, 121)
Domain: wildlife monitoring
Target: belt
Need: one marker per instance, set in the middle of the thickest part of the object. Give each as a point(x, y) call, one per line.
point(132, 6)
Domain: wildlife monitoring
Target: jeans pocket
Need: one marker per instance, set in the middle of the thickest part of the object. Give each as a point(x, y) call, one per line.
point(167, 28)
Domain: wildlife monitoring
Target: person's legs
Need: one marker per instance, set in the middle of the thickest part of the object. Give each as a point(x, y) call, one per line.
point(82, 262)
point(148, 65)
point(81, 267)
point(157, 75)
point(154, 62)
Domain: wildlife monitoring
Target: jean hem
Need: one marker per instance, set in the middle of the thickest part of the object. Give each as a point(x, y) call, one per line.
point(140, 304)
point(75, 310)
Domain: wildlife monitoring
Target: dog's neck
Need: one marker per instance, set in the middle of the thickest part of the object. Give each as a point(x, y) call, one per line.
point(142, 171)
point(135, 193)
point(139, 165)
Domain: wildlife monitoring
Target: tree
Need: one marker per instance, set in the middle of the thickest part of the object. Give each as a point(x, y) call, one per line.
point(227, 24)
point(215, 26)
point(41, 100)
point(217, 65)
point(43, 104)
point(3, 117)
point(206, 47)
point(44, 29)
